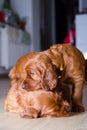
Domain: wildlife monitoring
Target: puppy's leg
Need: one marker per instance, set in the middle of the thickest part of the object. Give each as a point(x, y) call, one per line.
point(52, 114)
point(77, 95)
point(57, 114)
point(30, 113)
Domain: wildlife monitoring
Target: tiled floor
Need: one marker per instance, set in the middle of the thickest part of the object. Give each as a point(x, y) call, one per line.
point(10, 121)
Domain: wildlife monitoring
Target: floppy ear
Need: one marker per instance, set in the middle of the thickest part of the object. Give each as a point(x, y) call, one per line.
point(56, 56)
point(50, 78)
point(12, 73)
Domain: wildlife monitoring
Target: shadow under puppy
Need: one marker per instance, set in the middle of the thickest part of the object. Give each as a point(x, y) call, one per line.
point(38, 103)
point(41, 70)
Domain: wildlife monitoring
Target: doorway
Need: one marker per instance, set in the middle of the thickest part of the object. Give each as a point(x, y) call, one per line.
point(56, 18)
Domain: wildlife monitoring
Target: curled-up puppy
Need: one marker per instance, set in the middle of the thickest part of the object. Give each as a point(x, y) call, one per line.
point(38, 103)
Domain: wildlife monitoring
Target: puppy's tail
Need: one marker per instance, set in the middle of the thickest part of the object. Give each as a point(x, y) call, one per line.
point(86, 70)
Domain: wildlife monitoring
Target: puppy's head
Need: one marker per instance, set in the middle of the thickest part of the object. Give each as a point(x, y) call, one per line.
point(34, 71)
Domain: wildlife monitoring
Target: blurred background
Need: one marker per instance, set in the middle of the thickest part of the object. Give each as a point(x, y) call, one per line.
point(35, 25)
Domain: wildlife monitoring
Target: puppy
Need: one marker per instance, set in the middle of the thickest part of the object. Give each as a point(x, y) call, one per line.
point(47, 70)
point(71, 63)
point(38, 103)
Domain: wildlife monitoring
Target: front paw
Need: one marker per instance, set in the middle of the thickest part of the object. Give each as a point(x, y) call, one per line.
point(29, 113)
point(77, 108)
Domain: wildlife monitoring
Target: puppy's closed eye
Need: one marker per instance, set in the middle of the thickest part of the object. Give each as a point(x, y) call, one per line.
point(32, 74)
point(24, 86)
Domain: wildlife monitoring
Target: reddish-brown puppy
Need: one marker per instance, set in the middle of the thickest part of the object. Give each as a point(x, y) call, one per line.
point(48, 69)
point(38, 103)
point(72, 62)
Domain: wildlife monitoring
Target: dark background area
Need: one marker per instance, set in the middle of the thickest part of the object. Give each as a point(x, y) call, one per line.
point(64, 14)
point(65, 11)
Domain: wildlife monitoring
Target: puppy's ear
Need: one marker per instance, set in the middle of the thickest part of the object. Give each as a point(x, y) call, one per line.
point(12, 73)
point(50, 79)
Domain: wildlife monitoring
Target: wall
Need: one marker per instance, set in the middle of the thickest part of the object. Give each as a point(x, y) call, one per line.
point(1, 4)
point(47, 23)
point(30, 10)
point(82, 5)
point(81, 33)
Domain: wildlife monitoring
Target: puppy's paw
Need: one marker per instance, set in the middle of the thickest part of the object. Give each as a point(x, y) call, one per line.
point(29, 113)
point(77, 108)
